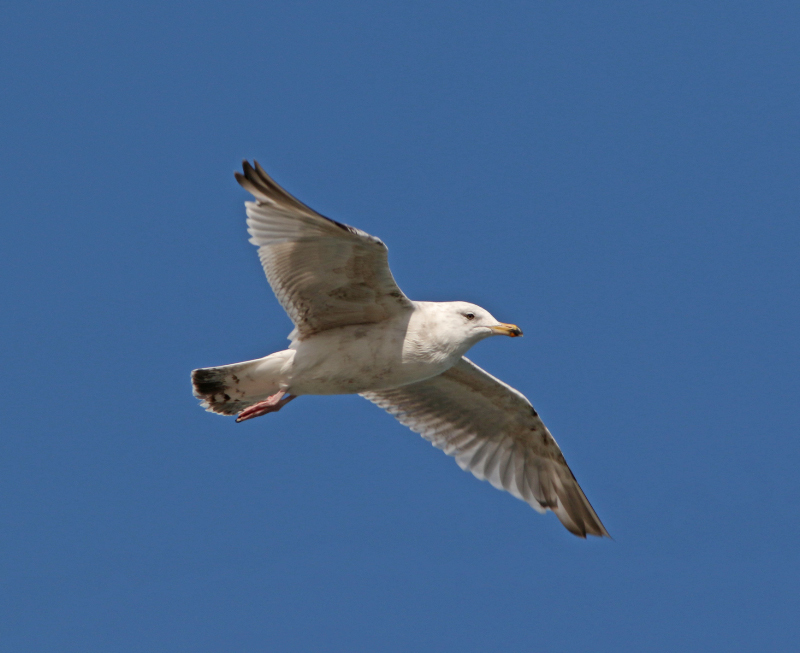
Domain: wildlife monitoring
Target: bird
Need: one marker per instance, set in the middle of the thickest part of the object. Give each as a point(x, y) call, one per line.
point(356, 332)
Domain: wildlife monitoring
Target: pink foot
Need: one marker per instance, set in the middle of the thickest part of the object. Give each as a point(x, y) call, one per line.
point(270, 405)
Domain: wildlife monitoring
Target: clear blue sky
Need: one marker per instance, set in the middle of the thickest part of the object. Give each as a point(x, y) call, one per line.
point(620, 179)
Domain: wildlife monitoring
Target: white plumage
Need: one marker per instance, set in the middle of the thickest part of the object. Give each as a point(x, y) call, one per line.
point(356, 332)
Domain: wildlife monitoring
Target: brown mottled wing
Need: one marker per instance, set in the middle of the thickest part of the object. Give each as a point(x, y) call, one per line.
point(493, 431)
point(325, 274)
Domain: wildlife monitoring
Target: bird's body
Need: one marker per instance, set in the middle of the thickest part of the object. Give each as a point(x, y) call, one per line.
point(357, 333)
point(360, 358)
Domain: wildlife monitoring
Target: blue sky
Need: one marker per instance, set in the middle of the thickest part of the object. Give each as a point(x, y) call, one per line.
point(620, 179)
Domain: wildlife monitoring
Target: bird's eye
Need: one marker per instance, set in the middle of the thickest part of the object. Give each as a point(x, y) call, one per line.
point(469, 316)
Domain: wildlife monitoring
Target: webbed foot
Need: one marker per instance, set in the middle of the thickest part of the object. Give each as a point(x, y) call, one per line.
point(270, 405)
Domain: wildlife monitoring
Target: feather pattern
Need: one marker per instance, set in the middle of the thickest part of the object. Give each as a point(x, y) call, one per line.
point(324, 273)
point(493, 431)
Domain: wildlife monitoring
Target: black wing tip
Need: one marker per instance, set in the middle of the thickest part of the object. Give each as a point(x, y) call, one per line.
point(254, 179)
point(577, 514)
point(258, 176)
point(248, 167)
point(601, 533)
point(583, 530)
point(251, 175)
point(593, 525)
point(589, 525)
point(250, 182)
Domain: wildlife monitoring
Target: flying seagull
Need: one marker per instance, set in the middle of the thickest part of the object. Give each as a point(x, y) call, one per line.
point(355, 332)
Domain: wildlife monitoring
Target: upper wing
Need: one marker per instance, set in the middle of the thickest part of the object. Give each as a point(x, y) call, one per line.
point(493, 431)
point(325, 274)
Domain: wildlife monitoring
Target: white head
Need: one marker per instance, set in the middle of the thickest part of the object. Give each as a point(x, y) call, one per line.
point(467, 323)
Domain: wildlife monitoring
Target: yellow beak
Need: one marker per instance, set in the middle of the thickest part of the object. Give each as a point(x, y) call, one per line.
point(511, 330)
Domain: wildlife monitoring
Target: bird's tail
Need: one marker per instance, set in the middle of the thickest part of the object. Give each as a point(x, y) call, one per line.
point(229, 389)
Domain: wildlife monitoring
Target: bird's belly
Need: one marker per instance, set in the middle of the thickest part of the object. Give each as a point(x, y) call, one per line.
point(357, 359)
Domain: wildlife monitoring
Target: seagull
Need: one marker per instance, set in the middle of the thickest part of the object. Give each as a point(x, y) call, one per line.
point(355, 332)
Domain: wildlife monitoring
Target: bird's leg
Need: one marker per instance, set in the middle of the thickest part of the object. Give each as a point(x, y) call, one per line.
point(270, 405)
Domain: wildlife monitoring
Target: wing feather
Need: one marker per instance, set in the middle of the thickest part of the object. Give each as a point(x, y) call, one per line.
point(493, 431)
point(324, 273)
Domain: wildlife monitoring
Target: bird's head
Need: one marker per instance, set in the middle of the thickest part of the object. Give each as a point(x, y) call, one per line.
point(475, 323)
